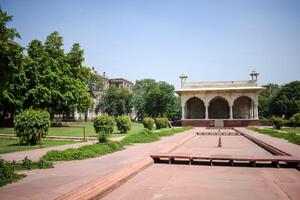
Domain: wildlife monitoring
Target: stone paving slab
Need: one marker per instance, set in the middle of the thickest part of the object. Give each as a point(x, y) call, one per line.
point(279, 143)
point(36, 154)
point(203, 182)
point(67, 176)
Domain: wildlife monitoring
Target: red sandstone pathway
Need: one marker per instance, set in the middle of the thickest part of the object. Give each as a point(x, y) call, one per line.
point(279, 143)
point(37, 153)
point(67, 176)
point(172, 182)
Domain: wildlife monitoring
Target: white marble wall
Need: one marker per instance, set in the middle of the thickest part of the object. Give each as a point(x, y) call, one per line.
point(229, 97)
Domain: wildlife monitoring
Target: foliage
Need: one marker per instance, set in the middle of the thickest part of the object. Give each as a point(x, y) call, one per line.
point(287, 100)
point(12, 76)
point(95, 84)
point(117, 101)
point(148, 123)
point(56, 81)
point(84, 152)
point(7, 173)
point(162, 122)
point(278, 122)
point(265, 97)
point(295, 120)
point(290, 136)
point(145, 136)
point(30, 123)
point(155, 99)
point(104, 126)
point(123, 123)
point(172, 131)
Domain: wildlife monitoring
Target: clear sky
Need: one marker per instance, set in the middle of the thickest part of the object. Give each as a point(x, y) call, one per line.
point(160, 39)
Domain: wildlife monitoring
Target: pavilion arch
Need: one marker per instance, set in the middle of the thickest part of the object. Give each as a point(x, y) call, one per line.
point(243, 108)
point(218, 108)
point(194, 108)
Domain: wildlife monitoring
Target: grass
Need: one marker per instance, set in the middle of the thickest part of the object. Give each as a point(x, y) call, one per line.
point(95, 150)
point(84, 152)
point(8, 145)
point(8, 169)
point(75, 129)
point(289, 136)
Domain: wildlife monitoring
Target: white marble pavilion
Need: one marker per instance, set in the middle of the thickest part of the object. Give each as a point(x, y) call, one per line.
point(220, 103)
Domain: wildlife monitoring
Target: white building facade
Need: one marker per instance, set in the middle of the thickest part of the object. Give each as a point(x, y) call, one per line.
point(221, 103)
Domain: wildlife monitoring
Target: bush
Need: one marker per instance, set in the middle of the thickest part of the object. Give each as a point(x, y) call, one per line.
point(104, 126)
point(84, 152)
point(162, 122)
point(7, 172)
point(148, 123)
point(123, 123)
point(295, 120)
point(278, 122)
point(145, 136)
point(30, 123)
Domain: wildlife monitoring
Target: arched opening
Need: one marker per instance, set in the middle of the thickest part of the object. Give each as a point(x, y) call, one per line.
point(243, 108)
point(218, 108)
point(194, 109)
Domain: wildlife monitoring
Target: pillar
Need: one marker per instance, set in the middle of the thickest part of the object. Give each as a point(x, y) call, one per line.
point(182, 110)
point(206, 111)
point(230, 111)
point(255, 111)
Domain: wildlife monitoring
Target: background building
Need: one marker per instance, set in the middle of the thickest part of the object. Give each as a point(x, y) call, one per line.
point(220, 103)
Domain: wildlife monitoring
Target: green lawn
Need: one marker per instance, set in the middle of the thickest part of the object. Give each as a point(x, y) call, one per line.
point(8, 145)
point(291, 136)
point(291, 129)
point(75, 129)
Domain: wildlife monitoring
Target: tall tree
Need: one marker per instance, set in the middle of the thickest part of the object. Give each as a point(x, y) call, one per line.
point(287, 100)
point(155, 99)
point(58, 81)
point(12, 77)
point(265, 98)
point(117, 101)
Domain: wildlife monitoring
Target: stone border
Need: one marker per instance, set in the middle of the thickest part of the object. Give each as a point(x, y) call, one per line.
point(104, 185)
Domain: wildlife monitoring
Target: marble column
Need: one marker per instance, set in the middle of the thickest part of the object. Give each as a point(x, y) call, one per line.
point(206, 111)
point(230, 111)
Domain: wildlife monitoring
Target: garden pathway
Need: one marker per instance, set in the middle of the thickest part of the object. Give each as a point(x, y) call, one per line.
point(67, 176)
point(35, 154)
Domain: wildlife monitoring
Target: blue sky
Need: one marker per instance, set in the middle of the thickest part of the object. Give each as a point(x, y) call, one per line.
point(160, 39)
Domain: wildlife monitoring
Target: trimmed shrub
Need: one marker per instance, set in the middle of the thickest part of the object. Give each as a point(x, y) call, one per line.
point(30, 123)
point(295, 120)
point(278, 122)
point(123, 123)
point(162, 122)
point(84, 152)
point(148, 123)
point(7, 172)
point(104, 126)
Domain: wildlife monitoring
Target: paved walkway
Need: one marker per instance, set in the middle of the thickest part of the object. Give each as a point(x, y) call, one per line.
point(37, 153)
point(279, 143)
point(67, 176)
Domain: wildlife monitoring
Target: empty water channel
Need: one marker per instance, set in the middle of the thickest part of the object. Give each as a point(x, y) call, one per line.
point(226, 146)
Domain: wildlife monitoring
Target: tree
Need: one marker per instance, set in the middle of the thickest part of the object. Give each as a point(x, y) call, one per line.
point(57, 81)
point(12, 77)
point(155, 99)
point(287, 100)
point(265, 98)
point(117, 101)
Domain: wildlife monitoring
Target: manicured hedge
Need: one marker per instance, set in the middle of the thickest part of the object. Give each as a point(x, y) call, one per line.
point(84, 152)
point(162, 122)
point(30, 123)
point(148, 123)
point(104, 126)
point(123, 123)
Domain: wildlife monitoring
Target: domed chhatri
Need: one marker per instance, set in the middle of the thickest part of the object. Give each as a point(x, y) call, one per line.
point(220, 103)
